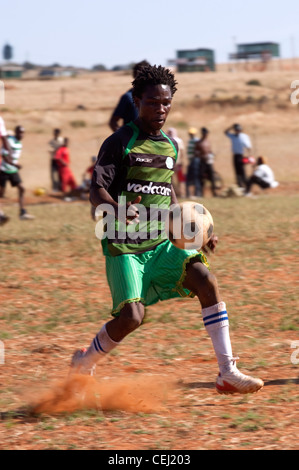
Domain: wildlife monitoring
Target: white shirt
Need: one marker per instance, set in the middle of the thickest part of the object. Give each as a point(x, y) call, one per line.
point(240, 142)
point(3, 132)
point(265, 173)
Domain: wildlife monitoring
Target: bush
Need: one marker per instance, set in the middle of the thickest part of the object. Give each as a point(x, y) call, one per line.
point(78, 123)
point(254, 82)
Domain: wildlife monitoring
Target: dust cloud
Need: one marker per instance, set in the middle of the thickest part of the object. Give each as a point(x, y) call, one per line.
point(148, 394)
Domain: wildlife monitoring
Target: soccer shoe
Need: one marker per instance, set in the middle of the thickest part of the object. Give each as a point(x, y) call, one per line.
point(26, 216)
point(78, 368)
point(233, 381)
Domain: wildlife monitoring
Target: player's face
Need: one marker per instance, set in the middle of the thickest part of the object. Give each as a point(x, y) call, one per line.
point(154, 106)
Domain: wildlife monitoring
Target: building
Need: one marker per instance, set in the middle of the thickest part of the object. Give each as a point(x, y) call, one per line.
point(194, 60)
point(263, 51)
point(57, 72)
point(11, 71)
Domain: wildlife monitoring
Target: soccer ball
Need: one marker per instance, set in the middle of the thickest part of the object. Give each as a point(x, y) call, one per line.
point(39, 192)
point(189, 226)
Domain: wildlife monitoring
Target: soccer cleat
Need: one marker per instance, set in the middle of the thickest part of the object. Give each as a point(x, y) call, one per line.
point(26, 216)
point(233, 381)
point(77, 366)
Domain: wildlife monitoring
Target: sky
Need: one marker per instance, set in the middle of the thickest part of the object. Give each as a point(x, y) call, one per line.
point(84, 33)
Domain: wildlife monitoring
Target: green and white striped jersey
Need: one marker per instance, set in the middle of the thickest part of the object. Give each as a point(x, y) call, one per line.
point(16, 147)
point(132, 164)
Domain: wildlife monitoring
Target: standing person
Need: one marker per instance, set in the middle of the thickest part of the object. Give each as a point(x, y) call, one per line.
point(262, 175)
point(203, 150)
point(126, 110)
point(55, 144)
point(10, 171)
point(193, 177)
point(63, 160)
point(240, 145)
point(87, 175)
point(137, 163)
point(179, 178)
point(5, 146)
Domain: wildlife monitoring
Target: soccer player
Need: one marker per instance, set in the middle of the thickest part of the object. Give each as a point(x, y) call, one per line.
point(133, 172)
point(10, 171)
point(5, 145)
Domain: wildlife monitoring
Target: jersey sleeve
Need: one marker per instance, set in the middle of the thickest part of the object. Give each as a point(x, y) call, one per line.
point(108, 163)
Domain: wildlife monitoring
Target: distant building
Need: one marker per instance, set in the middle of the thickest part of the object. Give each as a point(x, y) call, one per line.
point(55, 72)
point(263, 51)
point(11, 71)
point(194, 60)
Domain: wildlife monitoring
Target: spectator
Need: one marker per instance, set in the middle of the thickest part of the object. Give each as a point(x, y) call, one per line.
point(262, 176)
point(55, 144)
point(204, 151)
point(193, 173)
point(179, 178)
point(240, 145)
point(87, 175)
point(66, 176)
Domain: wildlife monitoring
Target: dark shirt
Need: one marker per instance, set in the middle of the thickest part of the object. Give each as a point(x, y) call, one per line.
point(126, 108)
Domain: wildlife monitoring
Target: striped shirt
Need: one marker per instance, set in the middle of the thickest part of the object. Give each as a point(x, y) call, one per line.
point(16, 148)
point(191, 148)
point(132, 164)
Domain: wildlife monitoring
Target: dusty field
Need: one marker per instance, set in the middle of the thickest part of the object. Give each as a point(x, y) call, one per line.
point(156, 391)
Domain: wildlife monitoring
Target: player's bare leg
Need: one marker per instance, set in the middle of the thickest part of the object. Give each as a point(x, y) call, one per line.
point(23, 213)
point(204, 284)
point(110, 335)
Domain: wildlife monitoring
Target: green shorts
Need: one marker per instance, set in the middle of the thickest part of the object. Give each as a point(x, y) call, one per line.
point(151, 276)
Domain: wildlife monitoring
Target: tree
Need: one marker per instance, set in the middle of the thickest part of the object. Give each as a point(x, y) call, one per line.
point(7, 52)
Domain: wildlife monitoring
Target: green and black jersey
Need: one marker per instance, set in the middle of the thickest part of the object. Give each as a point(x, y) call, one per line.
point(132, 163)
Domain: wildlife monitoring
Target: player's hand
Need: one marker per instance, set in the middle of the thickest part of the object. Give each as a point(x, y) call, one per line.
point(132, 215)
point(211, 245)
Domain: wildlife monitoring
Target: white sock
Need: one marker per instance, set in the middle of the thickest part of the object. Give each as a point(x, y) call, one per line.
point(99, 347)
point(216, 323)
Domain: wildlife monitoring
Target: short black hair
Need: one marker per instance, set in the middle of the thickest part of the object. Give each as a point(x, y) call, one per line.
point(153, 75)
point(19, 129)
point(137, 67)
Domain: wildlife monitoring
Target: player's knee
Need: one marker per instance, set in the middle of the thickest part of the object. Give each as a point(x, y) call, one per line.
point(199, 279)
point(132, 316)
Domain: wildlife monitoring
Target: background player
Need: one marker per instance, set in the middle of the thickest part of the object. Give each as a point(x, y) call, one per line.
point(10, 171)
point(126, 110)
